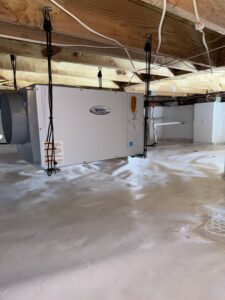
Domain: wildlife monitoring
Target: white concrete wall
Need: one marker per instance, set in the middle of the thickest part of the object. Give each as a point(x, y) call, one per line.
point(203, 123)
point(178, 113)
point(218, 136)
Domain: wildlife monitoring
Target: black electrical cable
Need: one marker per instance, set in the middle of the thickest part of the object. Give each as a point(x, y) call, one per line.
point(148, 59)
point(148, 55)
point(51, 162)
point(99, 75)
point(13, 63)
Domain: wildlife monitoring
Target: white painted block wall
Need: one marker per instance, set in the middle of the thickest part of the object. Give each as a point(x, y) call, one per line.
point(182, 131)
point(209, 123)
point(203, 123)
point(218, 136)
point(173, 114)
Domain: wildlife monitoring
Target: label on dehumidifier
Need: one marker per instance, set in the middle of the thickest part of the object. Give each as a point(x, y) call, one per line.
point(59, 156)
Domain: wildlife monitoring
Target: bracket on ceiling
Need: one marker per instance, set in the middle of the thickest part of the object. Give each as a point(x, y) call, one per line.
point(47, 9)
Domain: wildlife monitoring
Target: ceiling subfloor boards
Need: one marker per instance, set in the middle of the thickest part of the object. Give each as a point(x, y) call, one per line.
point(128, 21)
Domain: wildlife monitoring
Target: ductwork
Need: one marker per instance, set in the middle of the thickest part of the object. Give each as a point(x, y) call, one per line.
point(14, 118)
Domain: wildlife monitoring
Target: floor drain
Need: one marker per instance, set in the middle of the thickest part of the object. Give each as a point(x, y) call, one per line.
point(215, 226)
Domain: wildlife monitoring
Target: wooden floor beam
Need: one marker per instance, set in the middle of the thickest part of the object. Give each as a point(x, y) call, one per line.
point(128, 21)
point(211, 12)
point(27, 64)
point(197, 83)
point(28, 78)
point(79, 57)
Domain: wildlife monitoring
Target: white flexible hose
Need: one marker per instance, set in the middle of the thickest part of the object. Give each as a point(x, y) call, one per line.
point(207, 49)
point(94, 32)
point(196, 11)
point(199, 26)
point(160, 29)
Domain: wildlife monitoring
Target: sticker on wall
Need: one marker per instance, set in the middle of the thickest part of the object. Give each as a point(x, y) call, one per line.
point(59, 156)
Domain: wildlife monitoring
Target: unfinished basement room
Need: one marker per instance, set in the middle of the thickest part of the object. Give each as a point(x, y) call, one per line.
point(112, 150)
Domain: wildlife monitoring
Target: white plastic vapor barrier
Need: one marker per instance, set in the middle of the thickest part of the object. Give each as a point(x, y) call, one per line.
point(89, 125)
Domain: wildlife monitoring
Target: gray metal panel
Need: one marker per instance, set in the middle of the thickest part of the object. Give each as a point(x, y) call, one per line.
point(33, 126)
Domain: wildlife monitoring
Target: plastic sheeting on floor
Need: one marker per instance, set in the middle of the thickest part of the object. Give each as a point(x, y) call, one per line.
point(127, 230)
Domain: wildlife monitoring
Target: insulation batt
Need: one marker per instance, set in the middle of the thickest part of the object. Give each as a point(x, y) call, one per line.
point(135, 229)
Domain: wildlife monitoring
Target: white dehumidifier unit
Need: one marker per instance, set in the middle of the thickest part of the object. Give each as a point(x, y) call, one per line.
point(89, 125)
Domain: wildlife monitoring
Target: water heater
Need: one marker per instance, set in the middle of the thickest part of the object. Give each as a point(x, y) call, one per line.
point(89, 124)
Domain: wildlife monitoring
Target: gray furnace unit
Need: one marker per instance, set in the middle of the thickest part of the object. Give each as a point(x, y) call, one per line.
point(89, 124)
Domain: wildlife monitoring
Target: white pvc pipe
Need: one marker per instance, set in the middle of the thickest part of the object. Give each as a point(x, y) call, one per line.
point(165, 124)
point(168, 123)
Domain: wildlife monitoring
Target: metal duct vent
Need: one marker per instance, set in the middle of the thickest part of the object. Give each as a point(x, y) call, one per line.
point(14, 118)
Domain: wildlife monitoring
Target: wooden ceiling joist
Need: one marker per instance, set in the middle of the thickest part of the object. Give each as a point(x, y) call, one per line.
point(202, 82)
point(27, 64)
point(211, 12)
point(128, 21)
point(28, 78)
point(19, 32)
point(66, 55)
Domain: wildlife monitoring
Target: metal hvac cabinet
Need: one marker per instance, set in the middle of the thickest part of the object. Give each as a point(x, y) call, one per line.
point(89, 124)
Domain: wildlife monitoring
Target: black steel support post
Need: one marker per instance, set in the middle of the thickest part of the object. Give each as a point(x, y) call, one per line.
point(148, 52)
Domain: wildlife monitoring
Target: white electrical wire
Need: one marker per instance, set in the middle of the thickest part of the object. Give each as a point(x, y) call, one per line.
point(199, 26)
point(160, 29)
point(173, 61)
point(130, 79)
point(95, 32)
point(10, 37)
point(54, 44)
